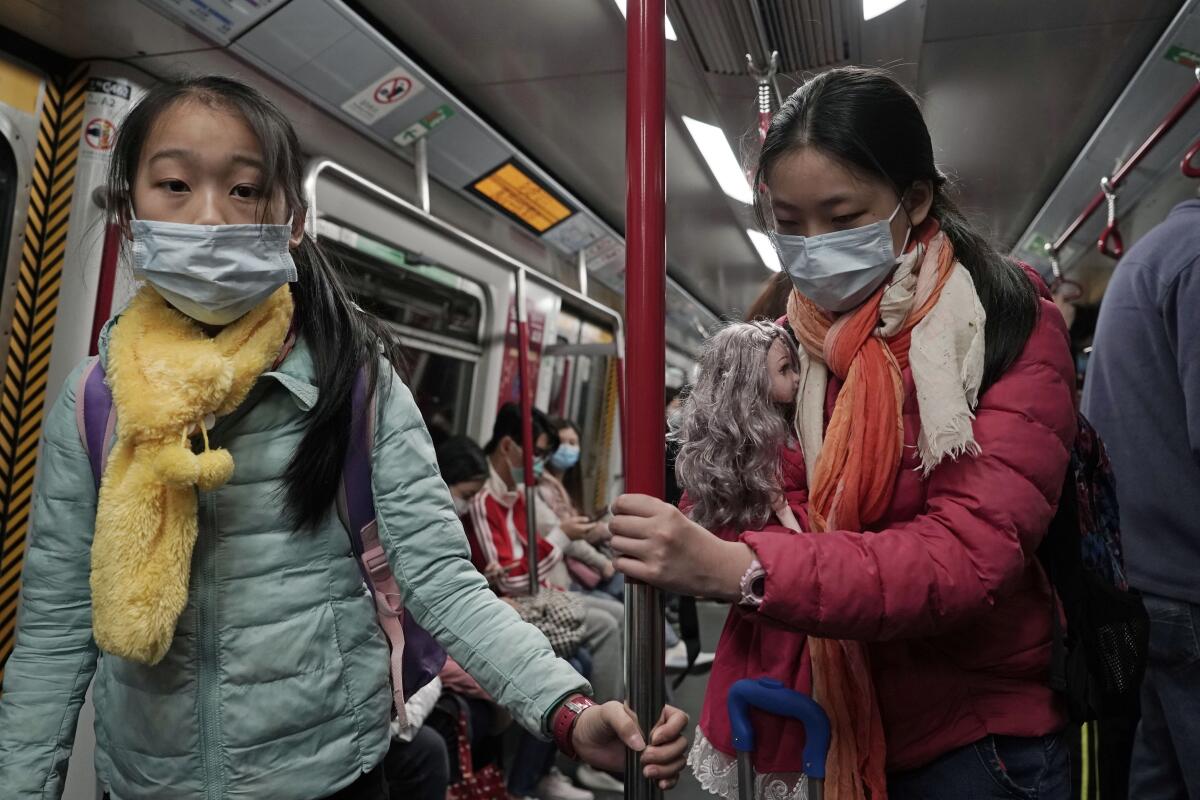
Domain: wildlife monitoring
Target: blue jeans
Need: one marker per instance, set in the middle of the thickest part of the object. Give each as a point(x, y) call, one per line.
point(994, 768)
point(1166, 748)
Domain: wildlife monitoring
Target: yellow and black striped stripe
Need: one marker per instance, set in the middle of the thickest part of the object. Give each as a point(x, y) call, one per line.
point(608, 429)
point(34, 314)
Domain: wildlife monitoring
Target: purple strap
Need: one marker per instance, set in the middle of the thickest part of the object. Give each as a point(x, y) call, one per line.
point(356, 471)
point(94, 417)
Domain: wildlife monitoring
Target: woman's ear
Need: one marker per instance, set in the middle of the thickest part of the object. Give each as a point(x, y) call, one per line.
point(918, 200)
point(298, 218)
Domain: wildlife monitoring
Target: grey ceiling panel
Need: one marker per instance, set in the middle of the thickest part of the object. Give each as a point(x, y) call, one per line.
point(112, 29)
point(299, 32)
point(956, 19)
point(1009, 134)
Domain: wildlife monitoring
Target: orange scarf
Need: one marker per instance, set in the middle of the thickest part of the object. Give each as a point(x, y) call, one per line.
point(852, 487)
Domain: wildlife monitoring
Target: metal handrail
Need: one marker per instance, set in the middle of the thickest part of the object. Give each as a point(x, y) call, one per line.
point(1114, 181)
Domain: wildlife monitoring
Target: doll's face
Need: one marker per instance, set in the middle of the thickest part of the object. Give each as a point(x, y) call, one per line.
point(785, 380)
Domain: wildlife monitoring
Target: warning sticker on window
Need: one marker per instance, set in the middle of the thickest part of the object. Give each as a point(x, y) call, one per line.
point(383, 96)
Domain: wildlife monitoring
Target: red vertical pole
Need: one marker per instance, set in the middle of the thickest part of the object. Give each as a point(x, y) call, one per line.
point(527, 430)
point(645, 359)
point(108, 281)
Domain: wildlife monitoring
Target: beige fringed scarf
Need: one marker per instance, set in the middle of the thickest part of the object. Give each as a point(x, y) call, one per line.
point(167, 377)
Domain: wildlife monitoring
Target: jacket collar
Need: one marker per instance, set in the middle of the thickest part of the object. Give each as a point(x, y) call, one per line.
point(498, 489)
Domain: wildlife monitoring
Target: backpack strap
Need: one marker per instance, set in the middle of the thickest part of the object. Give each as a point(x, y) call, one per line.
point(95, 417)
point(356, 506)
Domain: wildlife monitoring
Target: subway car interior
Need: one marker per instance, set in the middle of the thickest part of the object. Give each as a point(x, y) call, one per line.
point(555, 206)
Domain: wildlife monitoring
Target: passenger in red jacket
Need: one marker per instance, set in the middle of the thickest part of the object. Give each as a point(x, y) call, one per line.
point(935, 413)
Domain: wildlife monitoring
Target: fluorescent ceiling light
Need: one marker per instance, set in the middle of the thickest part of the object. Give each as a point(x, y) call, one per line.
point(721, 160)
point(766, 250)
point(873, 8)
point(666, 20)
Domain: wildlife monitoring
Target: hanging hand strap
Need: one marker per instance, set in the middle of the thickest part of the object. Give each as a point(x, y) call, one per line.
point(1110, 243)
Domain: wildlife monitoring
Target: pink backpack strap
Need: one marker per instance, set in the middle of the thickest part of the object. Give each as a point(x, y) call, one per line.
point(389, 610)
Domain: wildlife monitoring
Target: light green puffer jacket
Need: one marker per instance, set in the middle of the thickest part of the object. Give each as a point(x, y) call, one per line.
point(276, 685)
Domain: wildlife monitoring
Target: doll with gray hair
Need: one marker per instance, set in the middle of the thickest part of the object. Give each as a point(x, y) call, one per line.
point(734, 424)
point(741, 468)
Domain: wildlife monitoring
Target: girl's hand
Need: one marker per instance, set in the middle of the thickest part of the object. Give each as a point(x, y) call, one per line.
point(608, 571)
point(602, 733)
point(656, 544)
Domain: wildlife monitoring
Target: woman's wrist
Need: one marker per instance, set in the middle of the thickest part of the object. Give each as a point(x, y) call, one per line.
point(731, 563)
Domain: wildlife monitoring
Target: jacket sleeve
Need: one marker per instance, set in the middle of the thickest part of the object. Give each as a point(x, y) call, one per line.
point(427, 551)
point(983, 520)
point(1183, 332)
point(588, 554)
point(54, 657)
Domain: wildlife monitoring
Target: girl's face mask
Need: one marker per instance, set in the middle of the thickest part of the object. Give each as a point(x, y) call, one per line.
point(212, 273)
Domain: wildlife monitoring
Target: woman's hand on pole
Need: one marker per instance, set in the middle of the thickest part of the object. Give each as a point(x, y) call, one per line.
point(656, 544)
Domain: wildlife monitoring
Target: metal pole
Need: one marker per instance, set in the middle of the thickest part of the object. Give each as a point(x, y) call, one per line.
point(531, 549)
point(421, 165)
point(581, 263)
point(645, 361)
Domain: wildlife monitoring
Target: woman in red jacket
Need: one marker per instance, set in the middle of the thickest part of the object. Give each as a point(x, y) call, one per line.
point(936, 414)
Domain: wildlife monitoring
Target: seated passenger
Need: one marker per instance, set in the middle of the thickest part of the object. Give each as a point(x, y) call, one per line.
point(557, 509)
point(464, 468)
point(497, 529)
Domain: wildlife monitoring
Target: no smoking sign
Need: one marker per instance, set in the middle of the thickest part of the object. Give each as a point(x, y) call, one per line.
point(392, 90)
point(382, 96)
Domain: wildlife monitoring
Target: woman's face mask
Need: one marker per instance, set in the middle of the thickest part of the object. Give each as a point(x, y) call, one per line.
point(841, 269)
point(212, 273)
point(565, 457)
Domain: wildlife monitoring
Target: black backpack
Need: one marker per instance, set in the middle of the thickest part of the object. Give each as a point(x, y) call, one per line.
point(1097, 663)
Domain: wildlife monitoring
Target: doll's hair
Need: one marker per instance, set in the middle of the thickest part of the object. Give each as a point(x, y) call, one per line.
point(730, 432)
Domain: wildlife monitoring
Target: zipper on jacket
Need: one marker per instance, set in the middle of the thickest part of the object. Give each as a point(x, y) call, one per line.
point(207, 644)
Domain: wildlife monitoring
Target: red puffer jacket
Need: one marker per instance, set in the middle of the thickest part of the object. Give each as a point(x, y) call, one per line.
point(949, 590)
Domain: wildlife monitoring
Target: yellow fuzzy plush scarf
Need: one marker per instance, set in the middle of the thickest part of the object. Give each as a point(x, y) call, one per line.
point(167, 378)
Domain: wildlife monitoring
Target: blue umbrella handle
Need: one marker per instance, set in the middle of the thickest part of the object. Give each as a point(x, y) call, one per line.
point(773, 697)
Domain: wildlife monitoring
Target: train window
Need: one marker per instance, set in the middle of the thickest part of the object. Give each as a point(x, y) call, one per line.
point(8, 195)
point(437, 314)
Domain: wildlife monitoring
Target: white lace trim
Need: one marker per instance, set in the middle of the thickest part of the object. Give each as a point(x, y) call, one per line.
point(717, 774)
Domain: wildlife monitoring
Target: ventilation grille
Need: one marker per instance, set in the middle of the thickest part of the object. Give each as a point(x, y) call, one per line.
point(809, 34)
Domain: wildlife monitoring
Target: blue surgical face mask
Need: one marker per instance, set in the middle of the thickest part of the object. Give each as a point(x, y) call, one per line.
point(212, 273)
point(565, 457)
point(840, 270)
point(518, 472)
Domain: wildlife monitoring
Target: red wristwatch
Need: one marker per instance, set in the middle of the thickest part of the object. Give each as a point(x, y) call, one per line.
point(564, 722)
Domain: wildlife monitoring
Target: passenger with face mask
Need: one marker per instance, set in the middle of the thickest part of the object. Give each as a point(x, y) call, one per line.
point(936, 416)
point(559, 487)
point(208, 587)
